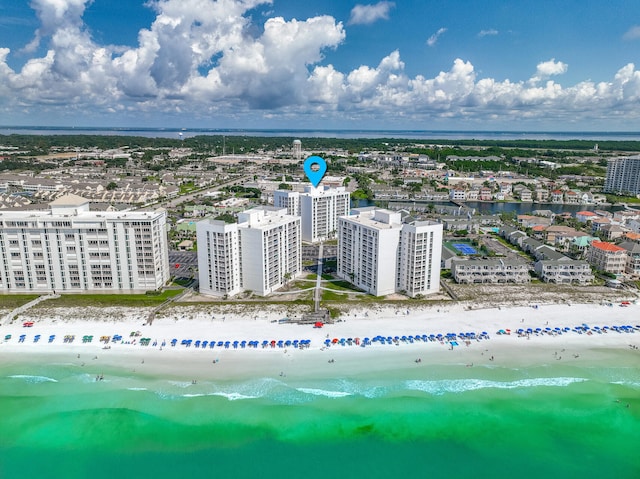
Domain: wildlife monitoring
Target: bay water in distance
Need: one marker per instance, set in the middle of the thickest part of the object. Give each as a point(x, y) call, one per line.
point(326, 133)
point(425, 422)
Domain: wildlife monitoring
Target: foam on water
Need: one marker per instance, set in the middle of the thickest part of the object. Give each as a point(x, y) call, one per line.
point(464, 385)
point(33, 379)
point(324, 392)
point(233, 396)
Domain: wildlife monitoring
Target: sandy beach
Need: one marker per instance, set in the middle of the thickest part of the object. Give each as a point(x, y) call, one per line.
point(546, 346)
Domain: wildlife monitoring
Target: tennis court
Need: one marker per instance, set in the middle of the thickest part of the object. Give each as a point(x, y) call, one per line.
point(464, 248)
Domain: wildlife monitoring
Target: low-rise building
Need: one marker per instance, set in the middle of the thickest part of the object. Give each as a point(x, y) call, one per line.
point(564, 271)
point(632, 267)
point(489, 271)
point(607, 257)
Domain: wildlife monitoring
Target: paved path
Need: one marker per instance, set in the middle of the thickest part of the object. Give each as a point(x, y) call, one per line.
point(318, 292)
point(9, 317)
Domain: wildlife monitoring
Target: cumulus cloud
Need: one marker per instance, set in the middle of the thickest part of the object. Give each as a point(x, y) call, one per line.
point(204, 58)
point(547, 69)
point(490, 32)
point(433, 39)
point(368, 14)
point(633, 33)
point(551, 67)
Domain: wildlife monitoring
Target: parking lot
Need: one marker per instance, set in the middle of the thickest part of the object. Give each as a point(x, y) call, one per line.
point(183, 264)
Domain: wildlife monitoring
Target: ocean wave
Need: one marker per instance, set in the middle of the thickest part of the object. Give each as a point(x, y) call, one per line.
point(632, 384)
point(137, 389)
point(232, 396)
point(464, 385)
point(324, 392)
point(34, 379)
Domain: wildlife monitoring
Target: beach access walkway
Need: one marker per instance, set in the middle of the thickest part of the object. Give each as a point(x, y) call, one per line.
point(317, 294)
point(13, 314)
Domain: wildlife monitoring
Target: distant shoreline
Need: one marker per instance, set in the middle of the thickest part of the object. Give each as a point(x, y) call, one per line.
point(177, 132)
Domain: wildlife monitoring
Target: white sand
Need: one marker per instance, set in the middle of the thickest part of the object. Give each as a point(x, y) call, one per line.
point(220, 363)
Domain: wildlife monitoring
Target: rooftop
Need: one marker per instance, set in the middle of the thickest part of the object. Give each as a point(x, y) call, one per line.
point(604, 246)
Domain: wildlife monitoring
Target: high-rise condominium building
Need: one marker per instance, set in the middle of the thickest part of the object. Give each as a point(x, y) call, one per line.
point(261, 253)
point(380, 254)
point(623, 176)
point(319, 209)
point(70, 248)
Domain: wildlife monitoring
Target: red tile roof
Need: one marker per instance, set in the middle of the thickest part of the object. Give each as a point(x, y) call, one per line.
point(604, 246)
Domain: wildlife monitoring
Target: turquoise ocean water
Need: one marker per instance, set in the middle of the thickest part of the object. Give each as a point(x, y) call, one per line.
point(57, 421)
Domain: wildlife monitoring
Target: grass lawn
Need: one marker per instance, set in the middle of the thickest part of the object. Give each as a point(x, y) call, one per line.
point(13, 301)
point(104, 300)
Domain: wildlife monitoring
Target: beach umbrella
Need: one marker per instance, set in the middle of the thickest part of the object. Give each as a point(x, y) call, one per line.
point(318, 324)
point(7, 337)
point(52, 337)
point(335, 340)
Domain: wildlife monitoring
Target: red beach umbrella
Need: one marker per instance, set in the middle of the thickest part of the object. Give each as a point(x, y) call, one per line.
point(318, 324)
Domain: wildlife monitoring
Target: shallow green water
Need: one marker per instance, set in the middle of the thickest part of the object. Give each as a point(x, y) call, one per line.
point(58, 422)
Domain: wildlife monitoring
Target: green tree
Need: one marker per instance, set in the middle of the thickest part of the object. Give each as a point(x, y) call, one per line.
point(112, 186)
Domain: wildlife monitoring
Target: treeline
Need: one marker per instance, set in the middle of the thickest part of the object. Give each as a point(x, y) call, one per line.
point(238, 144)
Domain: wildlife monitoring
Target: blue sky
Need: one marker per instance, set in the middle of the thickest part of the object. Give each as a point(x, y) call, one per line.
point(414, 64)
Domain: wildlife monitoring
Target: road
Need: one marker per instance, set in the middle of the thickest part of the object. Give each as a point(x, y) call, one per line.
point(169, 204)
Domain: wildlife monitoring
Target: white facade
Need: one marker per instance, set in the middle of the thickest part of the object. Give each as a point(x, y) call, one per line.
point(219, 270)
point(623, 176)
point(261, 253)
point(319, 209)
point(287, 199)
point(69, 248)
point(381, 255)
point(420, 249)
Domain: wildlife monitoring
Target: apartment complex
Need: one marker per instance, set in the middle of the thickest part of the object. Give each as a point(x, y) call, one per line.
point(564, 271)
point(219, 270)
point(319, 209)
point(489, 271)
point(260, 253)
point(380, 254)
point(69, 248)
point(623, 176)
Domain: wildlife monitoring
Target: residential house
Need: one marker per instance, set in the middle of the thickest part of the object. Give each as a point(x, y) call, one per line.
point(457, 194)
point(557, 196)
point(612, 232)
point(598, 223)
point(571, 197)
point(607, 257)
point(486, 194)
point(632, 267)
point(542, 195)
point(585, 216)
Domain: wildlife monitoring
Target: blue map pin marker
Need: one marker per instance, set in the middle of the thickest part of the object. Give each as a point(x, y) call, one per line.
point(315, 177)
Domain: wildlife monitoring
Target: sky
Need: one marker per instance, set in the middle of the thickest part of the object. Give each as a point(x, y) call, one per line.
point(517, 65)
